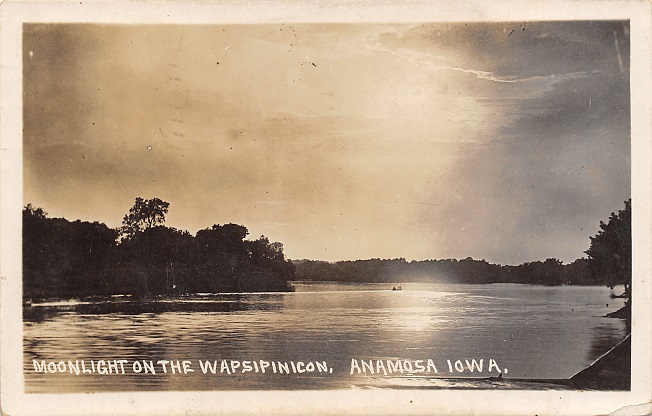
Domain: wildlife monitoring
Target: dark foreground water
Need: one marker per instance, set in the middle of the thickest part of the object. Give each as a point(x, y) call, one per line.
point(323, 336)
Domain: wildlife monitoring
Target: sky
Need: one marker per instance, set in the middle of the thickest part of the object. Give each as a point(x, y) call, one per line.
point(507, 142)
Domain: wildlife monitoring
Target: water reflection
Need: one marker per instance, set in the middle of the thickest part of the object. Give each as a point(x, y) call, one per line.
point(135, 306)
point(535, 332)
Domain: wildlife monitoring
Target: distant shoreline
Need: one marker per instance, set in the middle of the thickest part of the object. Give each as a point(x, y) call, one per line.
point(156, 298)
point(551, 272)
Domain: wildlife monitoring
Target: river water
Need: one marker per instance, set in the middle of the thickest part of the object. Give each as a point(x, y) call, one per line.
point(326, 335)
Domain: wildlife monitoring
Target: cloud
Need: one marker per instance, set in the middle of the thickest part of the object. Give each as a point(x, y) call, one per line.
point(541, 186)
point(520, 49)
point(342, 141)
point(479, 74)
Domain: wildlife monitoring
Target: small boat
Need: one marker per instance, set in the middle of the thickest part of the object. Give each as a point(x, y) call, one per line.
point(397, 288)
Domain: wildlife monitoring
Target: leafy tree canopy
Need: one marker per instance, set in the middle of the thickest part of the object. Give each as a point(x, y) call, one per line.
point(31, 211)
point(610, 253)
point(144, 214)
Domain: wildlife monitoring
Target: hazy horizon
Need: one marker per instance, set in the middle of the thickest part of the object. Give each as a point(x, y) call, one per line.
point(508, 142)
point(253, 237)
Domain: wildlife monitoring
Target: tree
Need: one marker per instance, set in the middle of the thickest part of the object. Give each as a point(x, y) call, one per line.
point(610, 253)
point(63, 258)
point(268, 258)
point(30, 211)
point(144, 214)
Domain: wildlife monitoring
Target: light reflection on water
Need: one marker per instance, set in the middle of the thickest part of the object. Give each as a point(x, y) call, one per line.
point(533, 331)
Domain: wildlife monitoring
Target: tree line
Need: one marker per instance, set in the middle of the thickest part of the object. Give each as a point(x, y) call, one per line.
point(144, 257)
point(549, 272)
point(608, 262)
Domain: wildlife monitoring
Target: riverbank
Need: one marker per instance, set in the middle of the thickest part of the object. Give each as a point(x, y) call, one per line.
point(623, 313)
point(611, 371)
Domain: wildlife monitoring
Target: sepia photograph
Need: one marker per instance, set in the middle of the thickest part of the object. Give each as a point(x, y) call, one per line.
point(336, 206)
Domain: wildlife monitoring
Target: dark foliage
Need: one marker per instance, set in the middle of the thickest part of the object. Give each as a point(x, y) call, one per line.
point(610, 253)
point(63, 258)
point(609, 262)
point(75, 259)
point(144, 214)
point(548, 272)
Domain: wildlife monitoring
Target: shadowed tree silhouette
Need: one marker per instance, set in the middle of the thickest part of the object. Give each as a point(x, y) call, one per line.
point(144, 257)
point(144, 214)
point(63, 258)
point(30, 211)
point(610, 253)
